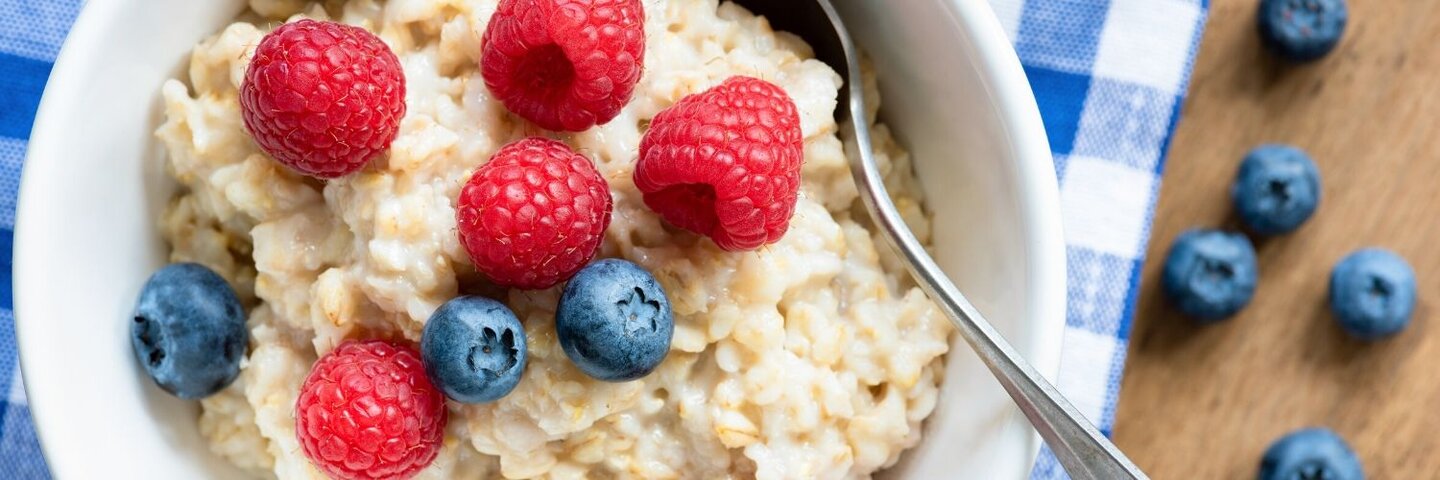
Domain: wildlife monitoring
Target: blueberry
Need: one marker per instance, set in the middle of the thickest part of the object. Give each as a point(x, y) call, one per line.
point(1210, 274)
point(189, 331)
point(1301, 30)
point(1276, 190)
point(1372, 293)
point(474, 349)
point(614, 321)
point(1311, 453)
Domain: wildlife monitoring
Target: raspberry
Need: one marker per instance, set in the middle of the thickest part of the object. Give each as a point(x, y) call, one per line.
point(367, 410)
point(323, 98)
point(564, 64)
point(725, 163)
point(534, 214)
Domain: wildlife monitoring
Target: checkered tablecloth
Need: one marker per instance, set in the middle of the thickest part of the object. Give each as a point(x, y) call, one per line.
point(1109, 76)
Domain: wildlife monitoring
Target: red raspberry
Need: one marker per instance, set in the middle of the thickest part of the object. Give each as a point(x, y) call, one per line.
point(367, 411)
point(564, 64)
point(725, 163)
point(323, 98)
point(534, 214)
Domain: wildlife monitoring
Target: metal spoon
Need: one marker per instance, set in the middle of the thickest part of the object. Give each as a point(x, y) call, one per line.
point(1081, 449)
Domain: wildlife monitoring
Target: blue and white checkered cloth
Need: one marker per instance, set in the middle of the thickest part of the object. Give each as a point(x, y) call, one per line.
point(30, 35)
point(1109, 76)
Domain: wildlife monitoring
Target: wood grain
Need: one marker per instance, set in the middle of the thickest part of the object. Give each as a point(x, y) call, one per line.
point(1201, 402)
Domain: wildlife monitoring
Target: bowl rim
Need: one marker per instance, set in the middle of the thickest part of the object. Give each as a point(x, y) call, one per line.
point(1000, 70)
point(1005, 79)
point(85, 33)
point(1038, 176)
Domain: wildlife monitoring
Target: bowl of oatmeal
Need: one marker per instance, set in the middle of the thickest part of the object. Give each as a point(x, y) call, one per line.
point(813, 357)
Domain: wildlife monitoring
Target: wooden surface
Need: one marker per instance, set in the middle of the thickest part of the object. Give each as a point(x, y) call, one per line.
point(1204, 402)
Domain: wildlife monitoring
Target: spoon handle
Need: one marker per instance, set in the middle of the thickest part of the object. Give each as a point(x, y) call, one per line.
point(1080, 448)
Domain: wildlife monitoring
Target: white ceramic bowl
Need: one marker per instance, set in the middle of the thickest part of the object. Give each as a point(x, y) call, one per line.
point(93, 185)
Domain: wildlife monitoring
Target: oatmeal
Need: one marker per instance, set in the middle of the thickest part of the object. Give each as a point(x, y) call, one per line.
point(813, 357)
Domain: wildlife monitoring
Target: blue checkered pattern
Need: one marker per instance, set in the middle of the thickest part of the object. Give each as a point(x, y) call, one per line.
point(30, 35)
point(1109, 76)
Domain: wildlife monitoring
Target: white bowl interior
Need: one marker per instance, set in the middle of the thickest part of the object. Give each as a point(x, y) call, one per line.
point(953, 93)
point(94, 185)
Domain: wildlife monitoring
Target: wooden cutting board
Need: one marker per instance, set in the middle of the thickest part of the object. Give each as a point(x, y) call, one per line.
point(1202, 402)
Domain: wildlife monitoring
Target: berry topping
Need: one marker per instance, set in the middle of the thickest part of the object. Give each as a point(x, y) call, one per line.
point(189, 331)
point(534, 214)
point(1276, 190)
point(368, 411)
point(1210, 274)
point(725, 163)
point(1372, 293)
point(474, 349)
point(564, 64)
point(1311, 453)
point(323, 98)
point(1301, 30)
point(614, 321)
